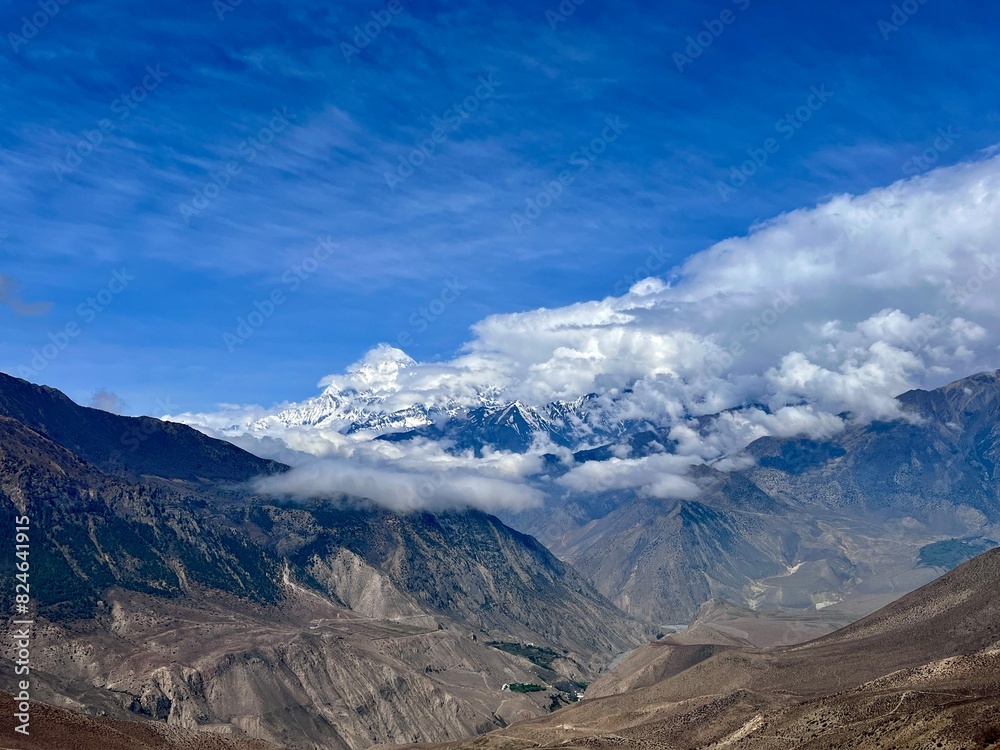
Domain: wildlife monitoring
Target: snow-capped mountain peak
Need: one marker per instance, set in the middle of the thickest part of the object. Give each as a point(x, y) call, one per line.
point(379, 372)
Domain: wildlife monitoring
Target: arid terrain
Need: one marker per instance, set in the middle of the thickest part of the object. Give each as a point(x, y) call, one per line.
point(299, 672)
point(923, 672)
point(59, 729)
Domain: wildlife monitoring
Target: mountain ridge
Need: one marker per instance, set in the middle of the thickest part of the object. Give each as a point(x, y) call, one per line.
point(161, 594)
point(130, 446)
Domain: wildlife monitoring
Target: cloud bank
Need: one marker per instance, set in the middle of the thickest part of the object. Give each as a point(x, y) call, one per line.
point(816, 314)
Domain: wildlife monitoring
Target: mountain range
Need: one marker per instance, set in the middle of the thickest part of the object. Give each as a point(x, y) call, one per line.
point(920, 673)
point(850, 519)
point(849, 522)
point(373, 401)
point(169, 590)
point(165, 588)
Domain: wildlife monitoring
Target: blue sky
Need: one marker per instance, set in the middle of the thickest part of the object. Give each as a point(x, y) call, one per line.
point(303, 139)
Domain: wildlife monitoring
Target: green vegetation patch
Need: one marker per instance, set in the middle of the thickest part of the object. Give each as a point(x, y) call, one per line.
point(525, 687)
point(538, 655)
point(950, 553)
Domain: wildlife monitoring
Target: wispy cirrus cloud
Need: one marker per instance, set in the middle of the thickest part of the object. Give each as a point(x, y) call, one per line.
point(654, 186)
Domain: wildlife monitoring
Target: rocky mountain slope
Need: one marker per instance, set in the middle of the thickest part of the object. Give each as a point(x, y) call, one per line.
point(717, 626)
point(131, 447)
point(850, 522)
point(57, 729)
point(167, 592)
point(919, 673)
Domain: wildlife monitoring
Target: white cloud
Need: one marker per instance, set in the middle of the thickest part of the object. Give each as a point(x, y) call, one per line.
point(661, 476)
point(400, 490)
point(820, 311)
point(226, 418)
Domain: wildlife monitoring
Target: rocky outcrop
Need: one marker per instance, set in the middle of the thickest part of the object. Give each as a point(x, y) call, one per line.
point(361, 587)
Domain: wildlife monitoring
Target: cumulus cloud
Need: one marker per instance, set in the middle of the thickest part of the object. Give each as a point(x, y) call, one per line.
point(916, 273)
point(660, 476)
point(815, 318)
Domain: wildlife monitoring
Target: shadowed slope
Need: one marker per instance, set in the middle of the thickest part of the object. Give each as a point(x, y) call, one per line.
point(131, 446)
